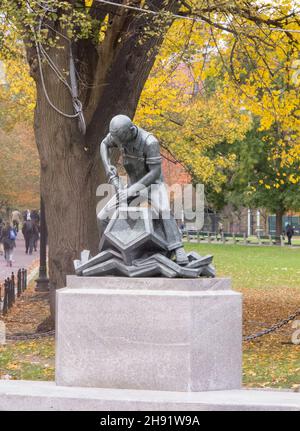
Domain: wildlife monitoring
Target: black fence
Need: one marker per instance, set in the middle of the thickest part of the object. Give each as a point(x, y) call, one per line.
point(12, 287)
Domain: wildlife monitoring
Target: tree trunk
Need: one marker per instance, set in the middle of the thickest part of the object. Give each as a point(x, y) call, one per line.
point(69, 176)
point(70, 165)
point(279, 216)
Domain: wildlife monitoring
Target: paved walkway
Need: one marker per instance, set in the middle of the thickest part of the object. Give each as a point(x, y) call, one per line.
point(20, 259)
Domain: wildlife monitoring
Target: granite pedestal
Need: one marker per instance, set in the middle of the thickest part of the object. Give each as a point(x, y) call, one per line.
point(146, 344)
point(182, 335)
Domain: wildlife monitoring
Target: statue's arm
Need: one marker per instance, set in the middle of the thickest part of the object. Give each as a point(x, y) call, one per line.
point(105, 146)
point(153, 175)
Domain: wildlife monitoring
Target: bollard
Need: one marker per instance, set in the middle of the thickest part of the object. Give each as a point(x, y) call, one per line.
point(5, 300)
point(23, 279)
point(2, 333)
point(10, 294)
point(19, 284)
point(13, 291)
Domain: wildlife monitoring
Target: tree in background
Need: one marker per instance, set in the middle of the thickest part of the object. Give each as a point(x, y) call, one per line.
point(239, 73)
point(189, 114)
point(19, 168)
point(257, 180)
point(19, 162)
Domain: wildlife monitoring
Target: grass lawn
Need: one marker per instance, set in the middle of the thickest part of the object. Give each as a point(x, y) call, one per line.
point(254, 267)
point(28, 360)
point(268, 277)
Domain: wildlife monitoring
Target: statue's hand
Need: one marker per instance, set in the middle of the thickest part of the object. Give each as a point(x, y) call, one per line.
point(112, 171)
point(115, 181)
point(131, 192)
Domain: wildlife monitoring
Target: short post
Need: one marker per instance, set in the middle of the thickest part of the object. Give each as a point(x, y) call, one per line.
point(19, 284)
point(281, 240)
point(13, 293)
point(259, 239)
point(270, 240)
point(198, 236)
point(22, 279)
point(9, 290)
point(5, 299)
point(208, 237)
point(245, 238)
point(2, 333)
point(42, 282)
point(233, 238)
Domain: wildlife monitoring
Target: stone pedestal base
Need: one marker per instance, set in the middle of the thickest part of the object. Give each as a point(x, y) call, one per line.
point(46, 396)
point(150, 334)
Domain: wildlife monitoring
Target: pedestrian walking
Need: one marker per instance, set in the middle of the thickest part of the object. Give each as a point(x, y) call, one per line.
point(16, 218)
point(35, 216)
point(289, 233)
point(30, 233)
point(27, 215)
point(9, 242)
point(221, 229)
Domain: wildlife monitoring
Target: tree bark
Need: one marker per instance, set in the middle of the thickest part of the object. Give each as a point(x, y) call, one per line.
point(279, 216)
point(70, 167)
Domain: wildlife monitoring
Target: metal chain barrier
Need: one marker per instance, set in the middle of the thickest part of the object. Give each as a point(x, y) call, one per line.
point(30, 336)
point(273, 328)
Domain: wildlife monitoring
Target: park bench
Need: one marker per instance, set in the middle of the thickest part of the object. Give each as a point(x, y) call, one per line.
point(191, 234)
point(227, 237)
point(212, 236)
point(266, 239)
point(240, 238)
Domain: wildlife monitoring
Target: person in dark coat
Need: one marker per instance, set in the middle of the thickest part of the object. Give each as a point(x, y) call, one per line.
point(289, 233)
point(35, 216)
point(30, 233)
point(8, 238)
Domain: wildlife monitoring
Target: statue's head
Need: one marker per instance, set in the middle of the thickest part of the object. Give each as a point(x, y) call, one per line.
point(122, 129)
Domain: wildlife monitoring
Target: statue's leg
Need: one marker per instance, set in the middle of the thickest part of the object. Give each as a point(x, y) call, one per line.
point(160, 202)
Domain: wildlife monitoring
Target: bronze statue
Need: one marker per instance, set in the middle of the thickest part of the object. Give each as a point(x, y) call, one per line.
point(138, 241)
point(142, 162)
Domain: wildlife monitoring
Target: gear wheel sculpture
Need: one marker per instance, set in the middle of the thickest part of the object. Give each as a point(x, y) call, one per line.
point(134, 245)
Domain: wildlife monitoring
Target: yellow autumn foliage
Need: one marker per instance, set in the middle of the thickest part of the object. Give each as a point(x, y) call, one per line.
point(17, 92)
point(207, 85)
